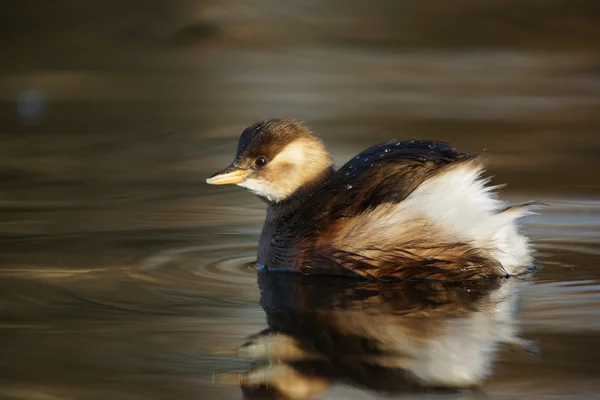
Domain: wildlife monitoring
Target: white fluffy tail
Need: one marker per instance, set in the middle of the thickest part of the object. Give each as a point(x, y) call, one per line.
point(459, 202)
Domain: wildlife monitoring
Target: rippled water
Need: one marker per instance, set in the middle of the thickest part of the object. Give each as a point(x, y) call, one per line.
point(152, 310)
point(124, 276)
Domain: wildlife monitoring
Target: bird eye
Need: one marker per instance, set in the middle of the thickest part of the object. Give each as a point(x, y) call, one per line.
point(260, 161)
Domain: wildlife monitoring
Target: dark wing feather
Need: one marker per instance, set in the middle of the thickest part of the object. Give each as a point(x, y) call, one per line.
point(385, 173)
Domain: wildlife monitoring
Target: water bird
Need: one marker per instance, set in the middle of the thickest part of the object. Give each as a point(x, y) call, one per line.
point(415, 209)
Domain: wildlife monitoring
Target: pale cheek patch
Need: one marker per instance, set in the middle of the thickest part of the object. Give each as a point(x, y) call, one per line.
point(264, 189)
point(295, 153)
point(298, 163)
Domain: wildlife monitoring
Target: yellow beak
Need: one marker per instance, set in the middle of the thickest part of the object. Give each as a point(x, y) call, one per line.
point(229, 176)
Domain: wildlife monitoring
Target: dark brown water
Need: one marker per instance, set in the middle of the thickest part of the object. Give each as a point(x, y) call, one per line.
point(124, 276)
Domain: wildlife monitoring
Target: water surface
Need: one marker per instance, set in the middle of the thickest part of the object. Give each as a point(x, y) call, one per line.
point(124, 276)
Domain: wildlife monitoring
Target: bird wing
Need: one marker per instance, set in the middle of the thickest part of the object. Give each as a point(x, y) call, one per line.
point(385, 173)
point(370, 184)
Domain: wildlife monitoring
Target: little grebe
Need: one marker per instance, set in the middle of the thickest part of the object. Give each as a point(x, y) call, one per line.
point(412, 209)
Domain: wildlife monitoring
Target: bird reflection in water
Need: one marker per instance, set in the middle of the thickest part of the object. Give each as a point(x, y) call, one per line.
point(390, 337)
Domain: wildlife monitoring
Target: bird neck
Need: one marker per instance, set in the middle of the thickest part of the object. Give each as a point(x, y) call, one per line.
point(294, 201)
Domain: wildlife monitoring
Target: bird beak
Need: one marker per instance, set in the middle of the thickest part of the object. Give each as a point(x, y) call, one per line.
point(229, 176)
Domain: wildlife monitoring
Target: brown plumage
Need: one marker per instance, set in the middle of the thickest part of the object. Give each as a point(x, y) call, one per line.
point(412, 209)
